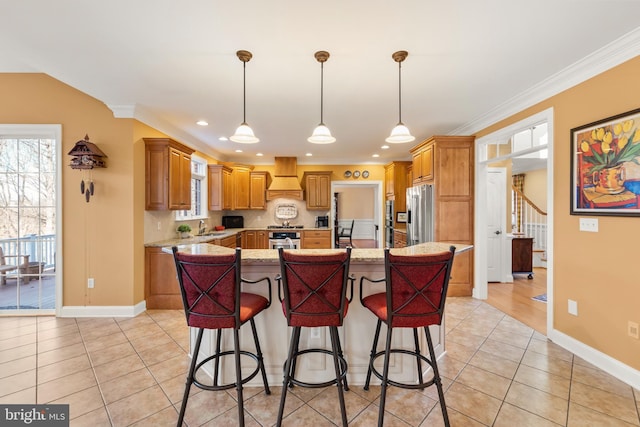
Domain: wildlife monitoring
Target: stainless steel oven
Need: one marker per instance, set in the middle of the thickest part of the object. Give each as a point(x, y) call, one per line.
point(284, 239)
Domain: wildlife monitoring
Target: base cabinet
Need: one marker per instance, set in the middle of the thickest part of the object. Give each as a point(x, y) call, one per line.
point(399, 238)
point(316, 239)
point(255, 239)
point(161, 286)
point(522, 255)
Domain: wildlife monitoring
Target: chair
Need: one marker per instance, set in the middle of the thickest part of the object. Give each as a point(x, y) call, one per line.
point(313, 292)
point(210, 288)
point(416, 290)
point(5, 268)
point(346, 233)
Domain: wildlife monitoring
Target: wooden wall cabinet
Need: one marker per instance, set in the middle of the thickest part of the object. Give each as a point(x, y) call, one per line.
point(220, 187)
point(255, 239)
point(422, 165)
point(167, 174)
point(258, 184)
point(315, 239)
point(449, 167)
point(395, 183)
point(317, 186)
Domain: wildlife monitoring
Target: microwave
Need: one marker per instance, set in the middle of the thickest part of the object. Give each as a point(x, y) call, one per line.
point(233, 221)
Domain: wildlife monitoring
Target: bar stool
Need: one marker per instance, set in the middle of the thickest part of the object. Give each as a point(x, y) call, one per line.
point(313, 292)
point(210, 288)
point(416, 291)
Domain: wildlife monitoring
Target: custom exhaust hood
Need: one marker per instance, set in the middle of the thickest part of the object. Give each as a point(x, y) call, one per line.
point(285, 182)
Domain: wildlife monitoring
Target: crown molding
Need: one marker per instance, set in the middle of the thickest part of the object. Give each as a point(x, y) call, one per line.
point(122, 111)
point(613, 54)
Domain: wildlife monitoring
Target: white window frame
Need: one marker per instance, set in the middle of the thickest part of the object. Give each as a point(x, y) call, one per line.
point(185, 215)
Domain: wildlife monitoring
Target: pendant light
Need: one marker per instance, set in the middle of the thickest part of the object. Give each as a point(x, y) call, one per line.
point(400, 133)
point(244, 134)
point(321, 134)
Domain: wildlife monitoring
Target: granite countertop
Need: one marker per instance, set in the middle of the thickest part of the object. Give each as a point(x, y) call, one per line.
point(357, 255)
point(217, 235)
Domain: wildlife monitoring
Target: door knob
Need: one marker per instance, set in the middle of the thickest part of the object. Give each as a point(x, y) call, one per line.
point(498, 232)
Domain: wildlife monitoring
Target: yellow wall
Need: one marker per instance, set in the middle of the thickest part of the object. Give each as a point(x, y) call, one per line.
point(598, 270)
point(535, 187)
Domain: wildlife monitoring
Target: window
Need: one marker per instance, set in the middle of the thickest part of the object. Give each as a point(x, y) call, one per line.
point(198, 191)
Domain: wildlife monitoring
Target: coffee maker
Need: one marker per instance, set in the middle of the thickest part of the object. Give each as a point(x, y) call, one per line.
point(322, 221)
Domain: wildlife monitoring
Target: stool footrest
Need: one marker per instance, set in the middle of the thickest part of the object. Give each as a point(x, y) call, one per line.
point(225, 386)
point(399, 384)
point(341, 361)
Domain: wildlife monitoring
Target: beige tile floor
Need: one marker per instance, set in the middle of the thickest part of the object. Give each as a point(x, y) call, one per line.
point(120, 372)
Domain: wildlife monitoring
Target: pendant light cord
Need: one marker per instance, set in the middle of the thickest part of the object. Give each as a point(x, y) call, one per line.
point(321, 92)
point(400, 92)
point(244, 93)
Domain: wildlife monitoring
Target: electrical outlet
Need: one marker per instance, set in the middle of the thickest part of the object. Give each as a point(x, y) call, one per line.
point(90, 283)
point(632, 330)
point(589, 224)
point(572, 307)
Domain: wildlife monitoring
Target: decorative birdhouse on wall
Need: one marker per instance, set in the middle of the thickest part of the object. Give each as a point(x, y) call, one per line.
point(86, 156)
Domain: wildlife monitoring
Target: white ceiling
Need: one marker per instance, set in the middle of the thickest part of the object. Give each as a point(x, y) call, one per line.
point(171, 63)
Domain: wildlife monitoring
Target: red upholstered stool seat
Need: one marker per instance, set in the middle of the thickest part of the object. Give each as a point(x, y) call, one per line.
point(313, 291)
point(210, 288)
point(414, 297)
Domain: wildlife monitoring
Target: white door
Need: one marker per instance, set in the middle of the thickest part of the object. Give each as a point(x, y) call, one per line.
point(496, 222)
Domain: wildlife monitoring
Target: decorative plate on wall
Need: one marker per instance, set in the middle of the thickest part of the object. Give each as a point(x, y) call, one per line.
point(356, 174)
point(347, 174)
point(365, 174)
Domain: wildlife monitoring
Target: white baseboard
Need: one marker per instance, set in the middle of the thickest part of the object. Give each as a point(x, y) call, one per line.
point(614, 367)
point(103, 311)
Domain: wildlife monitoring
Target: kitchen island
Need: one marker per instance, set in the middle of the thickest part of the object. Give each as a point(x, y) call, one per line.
point(356, 335)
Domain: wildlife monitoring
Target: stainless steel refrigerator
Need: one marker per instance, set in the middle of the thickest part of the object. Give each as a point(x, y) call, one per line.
point(419, 214)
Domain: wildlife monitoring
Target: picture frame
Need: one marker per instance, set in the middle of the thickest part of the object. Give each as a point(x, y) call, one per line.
point(605, 166)
point(401, 217)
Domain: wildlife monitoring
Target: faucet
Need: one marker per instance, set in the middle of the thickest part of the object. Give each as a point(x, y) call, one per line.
point(201, 227)
point(289, 242)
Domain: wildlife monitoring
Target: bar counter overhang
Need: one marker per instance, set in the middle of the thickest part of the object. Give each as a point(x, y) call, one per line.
point(356, 334)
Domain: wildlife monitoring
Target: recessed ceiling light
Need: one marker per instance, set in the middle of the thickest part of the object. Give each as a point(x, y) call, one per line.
point(308, 154)
point(223, 138)
point(259, 154)
point(376, 155)
point(202, 123)
point(385, 147)
point(238, 151)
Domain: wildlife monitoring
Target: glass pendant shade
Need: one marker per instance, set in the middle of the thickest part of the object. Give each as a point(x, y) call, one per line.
point(244, 135)
point(400, 134)
point(321, 135)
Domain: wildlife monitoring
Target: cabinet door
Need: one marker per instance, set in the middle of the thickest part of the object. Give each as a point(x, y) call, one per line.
point(214, 182)
point(227, 190)
point(241, 184)
point(318, 187)
point(179, 180)
point(258, 190)
point(249, 240)
point(262, 240)
point(161, 283)
point(157, 178)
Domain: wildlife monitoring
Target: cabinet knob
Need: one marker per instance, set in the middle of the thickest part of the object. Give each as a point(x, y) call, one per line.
point(498, 232)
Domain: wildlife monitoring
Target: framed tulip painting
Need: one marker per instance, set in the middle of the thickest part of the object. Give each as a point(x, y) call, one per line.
point(605, 166)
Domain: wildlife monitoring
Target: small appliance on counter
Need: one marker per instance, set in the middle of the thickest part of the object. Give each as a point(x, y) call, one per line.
point(322, 221)
point(233, 221)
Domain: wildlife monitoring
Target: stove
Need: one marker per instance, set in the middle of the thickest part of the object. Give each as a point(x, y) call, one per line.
point(278, 227)
point(284, 239)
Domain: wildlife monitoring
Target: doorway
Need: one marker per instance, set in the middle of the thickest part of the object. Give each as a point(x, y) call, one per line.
point(30, 225)
point(499, 148)
point(368, 217)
